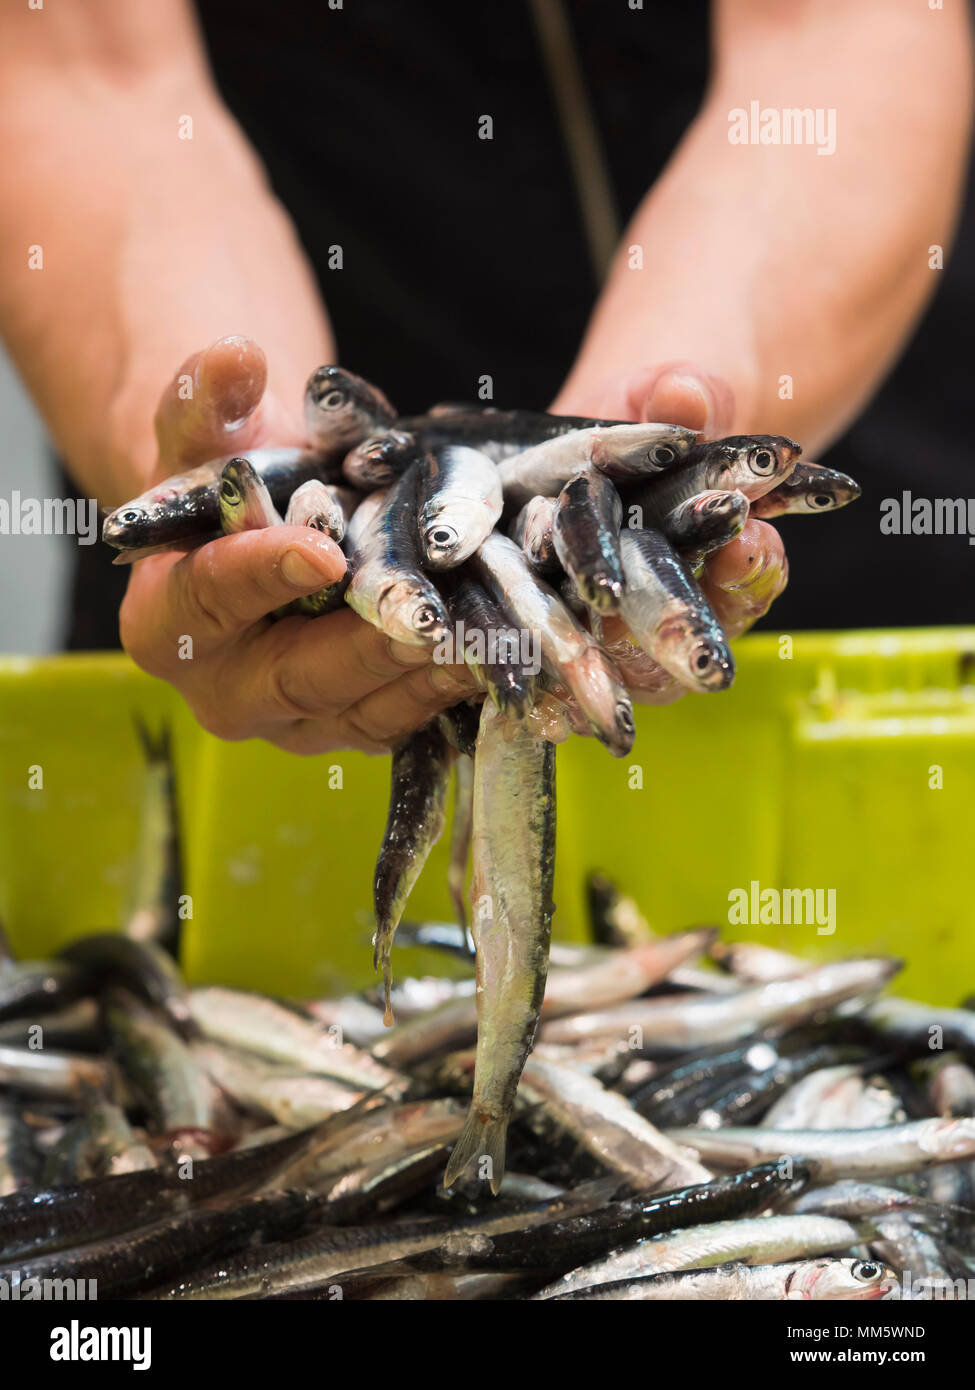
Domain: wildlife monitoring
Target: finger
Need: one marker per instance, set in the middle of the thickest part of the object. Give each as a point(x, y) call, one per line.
point(385, 717)
point(213, 594)
point(744, 577)
point(681, 393)
point(211, 406)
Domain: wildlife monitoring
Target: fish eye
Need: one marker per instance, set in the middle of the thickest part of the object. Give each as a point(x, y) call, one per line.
point(663, 454)
point(821, 500)
point(426, 616)
point(702, 661)
point(130, 515)
point(624, 719)
point(762, 461)
point(866, 1271)
point(714, 503)
point(229, 491)
point(441, 536)
point(334, 399)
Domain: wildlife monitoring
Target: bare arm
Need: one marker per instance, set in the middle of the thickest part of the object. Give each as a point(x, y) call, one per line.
point(153, 246)
point(765, 260)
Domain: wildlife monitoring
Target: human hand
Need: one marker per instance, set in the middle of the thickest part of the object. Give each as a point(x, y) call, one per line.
point(308, 685)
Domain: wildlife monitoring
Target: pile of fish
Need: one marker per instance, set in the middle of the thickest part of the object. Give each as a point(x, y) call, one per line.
point(698, 1120)
point(506, 539)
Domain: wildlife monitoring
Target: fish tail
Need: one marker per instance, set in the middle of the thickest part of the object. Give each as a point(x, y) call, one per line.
point(483, 1138)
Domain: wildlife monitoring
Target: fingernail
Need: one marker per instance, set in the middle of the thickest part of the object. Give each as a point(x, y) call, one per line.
point(301, 571)
point(678, 399)
point(408, 653)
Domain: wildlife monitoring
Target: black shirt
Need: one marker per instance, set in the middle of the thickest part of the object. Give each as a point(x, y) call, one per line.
point(463, 257)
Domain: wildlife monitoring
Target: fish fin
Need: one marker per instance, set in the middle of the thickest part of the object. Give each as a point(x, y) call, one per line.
point(483, 1136)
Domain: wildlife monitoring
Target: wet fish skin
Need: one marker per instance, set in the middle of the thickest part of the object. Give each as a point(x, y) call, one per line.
point(809, 489)
point(500, 666)
point(388, 588)
point(109, 958)
point(905, 1024)
point(568, 652)
point(498, 433)
point(586, 534)
point(623, 452)
point(312, 1260)
point(752, 1240)
point(342, 408)
point(322, 506)
point(186, 507)
point(256, 1024)
point(176, 1091)
point(585, 1237)
point(381, 458)
point(53, 1218)
point(750, 464)
point(459, 726)
point(460, 835)
point(511, 897)
point(31, 988)
point(415, 821)
point(693, 1020)
point(830, 1279)
point(866, 1154)
point(702, 524)
point(57, 1075)
point(749, 1097)
point(459, 501)
point(669, 616)
point(19, 1160)
point(126, 1263)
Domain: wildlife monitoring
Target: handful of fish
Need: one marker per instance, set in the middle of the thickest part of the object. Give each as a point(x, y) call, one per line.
point(699, 1120)
point(449, 521)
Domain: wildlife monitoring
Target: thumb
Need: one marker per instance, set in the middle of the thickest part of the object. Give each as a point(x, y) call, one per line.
point(681, 393)
point(209, 408)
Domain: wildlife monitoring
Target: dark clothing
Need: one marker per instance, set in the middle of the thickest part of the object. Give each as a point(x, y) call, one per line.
point(465, 257)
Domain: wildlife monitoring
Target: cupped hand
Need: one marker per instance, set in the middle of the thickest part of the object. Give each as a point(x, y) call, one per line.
point(202, 620)
point(744, 577)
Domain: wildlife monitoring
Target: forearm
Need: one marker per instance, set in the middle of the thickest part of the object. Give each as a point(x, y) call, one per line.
point(152, 244)
point(769, 261)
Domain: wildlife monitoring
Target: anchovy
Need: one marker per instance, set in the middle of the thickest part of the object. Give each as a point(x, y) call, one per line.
point(847, 1153)
point(414, 824)
point(704, 523)
point(503, 433)
point(809, 489)
point(909, 1026)
point(837, 1097)
point(322, 506)
point(98, 1142)
point(256, 1024)
point(624, 452)
point(756, 963)
point(187, 506)
point(568, 651)
point(245, 502)
point(750, 464)
point(325, 1255)
point(596, 978)
point(382, 458)
point(532, 529)
point(669, 616)
point(58, 1075)
point(693, 1021)
point(831, 1279)
point(586, 533)
point(341, 408)
point(459, 502)
point(176, 1092)
point(511, 898)
point(19, 1161)
point(606, 1126)
point(388, 588)
point(951, 1087)
point(459, 726)
point(491, 646)
point(142, 967)
point(753, 1241)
